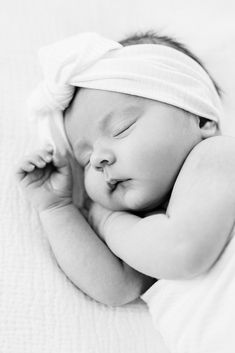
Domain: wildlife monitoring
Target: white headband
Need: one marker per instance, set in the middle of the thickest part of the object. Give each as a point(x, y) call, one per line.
point(88, 60)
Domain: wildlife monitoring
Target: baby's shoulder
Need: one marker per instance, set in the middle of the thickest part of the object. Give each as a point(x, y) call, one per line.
point(217, 152)
point(217, 143)
point(212, 161)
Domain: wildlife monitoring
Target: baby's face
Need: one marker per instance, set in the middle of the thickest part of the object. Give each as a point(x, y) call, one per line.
point(131, 148)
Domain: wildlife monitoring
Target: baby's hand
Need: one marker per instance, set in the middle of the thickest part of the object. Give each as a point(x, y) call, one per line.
point(46, 180)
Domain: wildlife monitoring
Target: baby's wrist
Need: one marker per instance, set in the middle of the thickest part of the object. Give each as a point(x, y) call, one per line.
point(56, 208)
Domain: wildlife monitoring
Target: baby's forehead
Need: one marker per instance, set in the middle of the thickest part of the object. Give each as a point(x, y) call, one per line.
point(89, 106)
point(84, 96)
point(88, 103)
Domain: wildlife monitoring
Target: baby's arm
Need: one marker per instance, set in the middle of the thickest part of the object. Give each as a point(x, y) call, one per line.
point(81, 254)
point(189, 238)
point(87, 260)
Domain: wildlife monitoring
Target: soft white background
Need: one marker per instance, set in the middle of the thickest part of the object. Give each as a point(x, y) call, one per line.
point(40, 311)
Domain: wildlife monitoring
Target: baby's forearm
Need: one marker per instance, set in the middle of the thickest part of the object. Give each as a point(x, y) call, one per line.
point(86, 259)
point(151, 245)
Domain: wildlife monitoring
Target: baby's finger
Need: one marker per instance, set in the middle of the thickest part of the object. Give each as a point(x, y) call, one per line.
point(21, 170)
point(43, 159)
point(43, 155)
point(47, 157)
point(31, 162)
point(38, 161)
point(58, 160)
point(46, 154)
point(27, 167)
point(61, 162)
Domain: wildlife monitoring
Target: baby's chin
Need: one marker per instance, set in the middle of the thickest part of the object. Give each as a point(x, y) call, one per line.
point(131, 203)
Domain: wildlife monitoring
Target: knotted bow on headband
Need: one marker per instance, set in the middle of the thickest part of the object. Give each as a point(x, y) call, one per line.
point(148, 70)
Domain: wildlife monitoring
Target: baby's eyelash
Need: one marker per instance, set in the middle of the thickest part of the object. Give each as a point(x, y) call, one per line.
point(122, 129)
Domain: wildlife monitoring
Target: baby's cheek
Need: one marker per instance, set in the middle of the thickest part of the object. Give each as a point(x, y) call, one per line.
point(94, 185)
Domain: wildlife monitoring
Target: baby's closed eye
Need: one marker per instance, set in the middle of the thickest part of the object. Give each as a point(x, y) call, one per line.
point(123, 129)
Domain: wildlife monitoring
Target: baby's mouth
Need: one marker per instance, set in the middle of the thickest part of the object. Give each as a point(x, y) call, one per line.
point(113, 183)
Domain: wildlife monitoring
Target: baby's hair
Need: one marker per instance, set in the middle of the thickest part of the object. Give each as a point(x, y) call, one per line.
point(151, 37)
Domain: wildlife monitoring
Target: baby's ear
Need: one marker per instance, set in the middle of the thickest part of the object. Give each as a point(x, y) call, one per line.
point(208, 128)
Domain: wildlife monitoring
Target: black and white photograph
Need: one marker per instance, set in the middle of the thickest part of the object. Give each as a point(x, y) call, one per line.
point(117, 161)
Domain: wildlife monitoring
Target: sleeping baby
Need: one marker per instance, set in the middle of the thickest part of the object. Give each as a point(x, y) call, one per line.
point(139, 121)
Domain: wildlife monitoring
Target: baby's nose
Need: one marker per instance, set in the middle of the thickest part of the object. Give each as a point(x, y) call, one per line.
point(99, 160)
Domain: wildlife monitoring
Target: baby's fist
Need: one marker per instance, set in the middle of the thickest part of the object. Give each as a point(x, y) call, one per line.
point(46, 180)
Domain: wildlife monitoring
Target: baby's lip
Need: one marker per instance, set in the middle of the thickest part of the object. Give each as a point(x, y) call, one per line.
point(112, 183)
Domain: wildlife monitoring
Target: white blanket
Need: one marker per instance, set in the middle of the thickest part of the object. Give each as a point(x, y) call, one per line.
point(197, 315)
